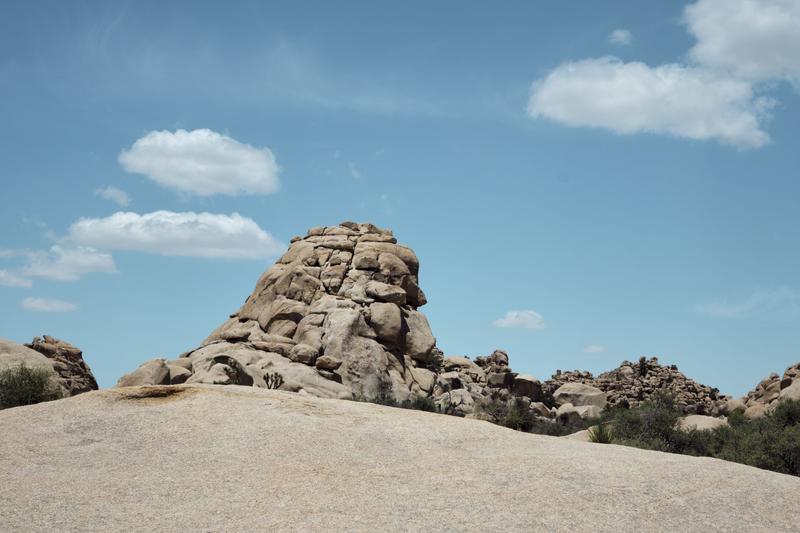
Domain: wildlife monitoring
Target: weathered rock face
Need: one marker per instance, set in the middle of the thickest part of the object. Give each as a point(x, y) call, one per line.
point(770, 391)
point(65, 360)
point(336, 316)
point(632, 383)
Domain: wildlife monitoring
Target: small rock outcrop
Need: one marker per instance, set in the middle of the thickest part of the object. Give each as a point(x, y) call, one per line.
point(336, 316)
point(632, 383)
point(65, 360)
point(769, 392)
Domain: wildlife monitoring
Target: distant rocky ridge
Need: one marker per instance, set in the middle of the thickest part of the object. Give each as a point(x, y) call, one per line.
point(338, 316)
point(632, 383)
point(66, 361)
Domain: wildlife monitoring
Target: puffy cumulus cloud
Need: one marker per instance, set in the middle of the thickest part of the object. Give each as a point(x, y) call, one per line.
point(202, 162)
point(118, 196)
point(594, 348)
point(752, 39)
point(47, 305)
point(620, 37)
point(67, 263)
point(780, 302)
point(177, 234)
point(9, 279)
point(630, 98)
point(527, 319)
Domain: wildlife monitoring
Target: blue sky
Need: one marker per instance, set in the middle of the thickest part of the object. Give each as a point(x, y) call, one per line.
point(583, 182)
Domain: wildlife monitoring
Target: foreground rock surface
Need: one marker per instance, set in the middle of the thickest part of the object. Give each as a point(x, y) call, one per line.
point(245, 459)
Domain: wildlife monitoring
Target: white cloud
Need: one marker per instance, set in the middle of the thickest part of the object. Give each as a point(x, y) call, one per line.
point(47, 305)
point(177, 234)
point(630, 98)
point(783, 301)
point(354, 170)
point(752, 39)
point(594, 348)
point(527, 319)
point(118, 196)
point(202, 162)
point(9, 279)
point(67, 263)
point(620, 37)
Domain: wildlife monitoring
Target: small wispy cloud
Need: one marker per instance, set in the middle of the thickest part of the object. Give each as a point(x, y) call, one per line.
point(111, 193)
point(47, 305)
point(9, 279)
point(594, 348)
point(620, 37)
point(354, 171)
point(783, 301)
point(527, 319)
point(67, 263)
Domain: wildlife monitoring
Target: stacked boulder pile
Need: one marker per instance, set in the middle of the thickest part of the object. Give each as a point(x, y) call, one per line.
point(463, 384)
point(336, 316)
point(70, 371)
point(632, 383)
point(769, 392)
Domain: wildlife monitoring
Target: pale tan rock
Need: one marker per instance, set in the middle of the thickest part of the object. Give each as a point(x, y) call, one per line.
point(756, 410)
point(386, 320)
point(178, 374)
point(525, 385)
point(588, 411)
point(540, 409)
point(701, 423)
point(792, 392)
point(579, 394)
point(566, 413)
point(583, 435)
point(419, 340)
point(155, 372)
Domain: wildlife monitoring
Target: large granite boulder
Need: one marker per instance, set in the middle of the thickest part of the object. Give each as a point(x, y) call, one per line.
point(64, 360)
point(336, 316)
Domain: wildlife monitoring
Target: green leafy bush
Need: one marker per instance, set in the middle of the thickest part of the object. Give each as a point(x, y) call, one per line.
point(771, 442)
point(21, 385)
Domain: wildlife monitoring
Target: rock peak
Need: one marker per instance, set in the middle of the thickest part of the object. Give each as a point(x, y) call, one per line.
point(337, 315)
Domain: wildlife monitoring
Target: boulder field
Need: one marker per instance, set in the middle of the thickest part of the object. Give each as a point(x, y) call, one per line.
point(209, 458)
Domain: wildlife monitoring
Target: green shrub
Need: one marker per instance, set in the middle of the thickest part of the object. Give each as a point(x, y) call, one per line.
point(420, 403)
point(25, 386)
point(643, 366)
point(518, 416)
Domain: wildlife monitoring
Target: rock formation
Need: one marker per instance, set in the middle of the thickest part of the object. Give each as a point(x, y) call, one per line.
point(336, 316)
point(769, 391)
point(632, 383)
point(65, 360)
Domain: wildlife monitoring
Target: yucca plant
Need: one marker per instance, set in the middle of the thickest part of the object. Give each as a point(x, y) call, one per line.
point(601, 434)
